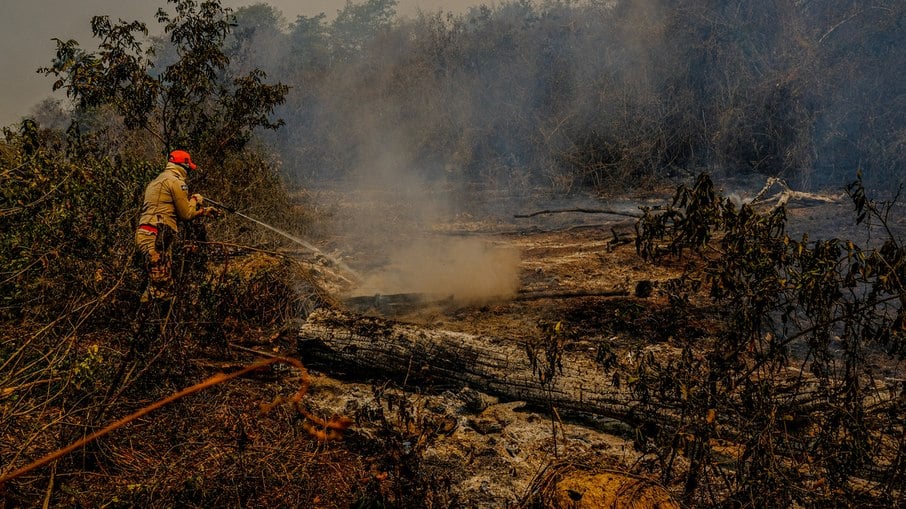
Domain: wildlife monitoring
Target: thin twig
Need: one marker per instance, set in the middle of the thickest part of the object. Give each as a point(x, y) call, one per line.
point(16, 210)
point(6, 391)
point(53, 474)
point(256, 352)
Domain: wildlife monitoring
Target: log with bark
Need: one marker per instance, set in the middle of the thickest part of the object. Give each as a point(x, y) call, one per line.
point(366, 348)
point(413, 355)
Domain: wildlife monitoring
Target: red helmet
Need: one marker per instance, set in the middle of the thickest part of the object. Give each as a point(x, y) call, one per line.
point(181, 157)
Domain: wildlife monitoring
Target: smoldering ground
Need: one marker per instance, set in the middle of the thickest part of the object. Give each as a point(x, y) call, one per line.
point(464, 269)
point(390, 221)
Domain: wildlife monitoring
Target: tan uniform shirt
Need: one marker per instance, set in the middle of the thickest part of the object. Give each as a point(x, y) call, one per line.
point(167, 198)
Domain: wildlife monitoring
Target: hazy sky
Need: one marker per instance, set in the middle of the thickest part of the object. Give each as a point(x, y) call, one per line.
point(27, 27)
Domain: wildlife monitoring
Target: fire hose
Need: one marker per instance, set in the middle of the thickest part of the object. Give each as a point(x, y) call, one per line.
point(297, 240)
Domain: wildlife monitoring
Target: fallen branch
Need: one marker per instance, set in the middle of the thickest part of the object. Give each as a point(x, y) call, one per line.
point(787, 193)
point(571, 295)
point(579, 210)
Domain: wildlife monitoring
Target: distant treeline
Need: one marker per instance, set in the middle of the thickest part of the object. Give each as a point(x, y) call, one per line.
point(605, 94)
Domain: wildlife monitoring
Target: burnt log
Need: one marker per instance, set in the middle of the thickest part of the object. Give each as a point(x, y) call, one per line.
point(412, 355)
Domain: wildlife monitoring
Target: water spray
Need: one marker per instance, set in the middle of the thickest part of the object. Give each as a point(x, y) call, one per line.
point(297, 240)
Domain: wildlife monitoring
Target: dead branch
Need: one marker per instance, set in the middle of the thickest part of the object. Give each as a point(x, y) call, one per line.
point(786, 194)
point(617, 292)
point(579, 210)
point(7, 391)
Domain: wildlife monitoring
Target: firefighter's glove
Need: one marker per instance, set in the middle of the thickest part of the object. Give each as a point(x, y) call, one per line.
point(199, 200)
point(210, 212)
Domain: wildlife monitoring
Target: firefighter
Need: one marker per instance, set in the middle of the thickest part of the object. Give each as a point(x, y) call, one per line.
point(167, 202)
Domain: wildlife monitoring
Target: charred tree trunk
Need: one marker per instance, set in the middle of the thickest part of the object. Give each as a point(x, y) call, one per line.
point(438, 358)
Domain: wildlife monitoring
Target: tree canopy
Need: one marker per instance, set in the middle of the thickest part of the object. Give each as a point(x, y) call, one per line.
point(192, 102)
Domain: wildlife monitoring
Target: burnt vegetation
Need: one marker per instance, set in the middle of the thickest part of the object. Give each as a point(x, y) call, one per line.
point(785, 387)
point(798, 376)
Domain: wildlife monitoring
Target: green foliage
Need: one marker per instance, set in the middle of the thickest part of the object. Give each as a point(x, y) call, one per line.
point(192, 103)
point(115, 73)
point(85, 371)
point(76, 343)
point(308, 51)
point(66, 211)
point(358, 23)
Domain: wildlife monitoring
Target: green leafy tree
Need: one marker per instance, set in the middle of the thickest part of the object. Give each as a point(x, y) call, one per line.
point(308, 43)
point(357, 24)
point(191, 103)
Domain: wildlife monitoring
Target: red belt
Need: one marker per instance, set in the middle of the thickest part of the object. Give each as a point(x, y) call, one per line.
point(148, 228)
